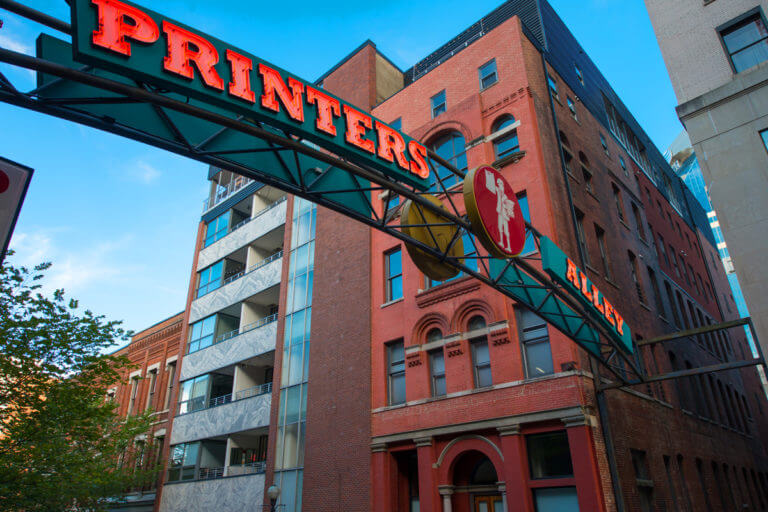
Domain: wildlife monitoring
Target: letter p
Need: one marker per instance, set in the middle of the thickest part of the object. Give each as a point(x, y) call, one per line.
point(119, 22)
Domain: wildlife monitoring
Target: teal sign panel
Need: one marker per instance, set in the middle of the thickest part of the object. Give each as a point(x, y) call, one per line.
point(143, 45)
point(564, 271)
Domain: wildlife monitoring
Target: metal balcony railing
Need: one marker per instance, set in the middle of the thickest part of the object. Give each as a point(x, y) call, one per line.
point(199, 403)
point(250, 468)
point(210, 473)
point(237, 332)
point(255, 266)
point(223, 193)
point(215, 238)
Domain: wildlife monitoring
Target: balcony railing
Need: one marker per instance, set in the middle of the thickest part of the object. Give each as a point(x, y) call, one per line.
point(210, 473)
point(223, 193)
point(213, 238)
point(199, 403)
point(237, 332)
point(250, 468)
point(210, 287)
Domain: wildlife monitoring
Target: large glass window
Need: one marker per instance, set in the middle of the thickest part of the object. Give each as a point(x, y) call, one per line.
point(193, 394)
point(508, 143)
point(201, 334)
point(746, 42)
point(549, 455)
point(451, 147)
point(487, 74)
point(393, 261)
point(396, 373)
point(437, 371)
point(437, 103)
point(556, 499)
point(183, 460)
point(535, 340)
point(210, 278)
point(217, 228)
point(471, 261)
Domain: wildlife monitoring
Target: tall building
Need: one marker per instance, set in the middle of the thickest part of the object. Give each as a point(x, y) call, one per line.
point(683, 160)
point(715, 52)
point(317, 358)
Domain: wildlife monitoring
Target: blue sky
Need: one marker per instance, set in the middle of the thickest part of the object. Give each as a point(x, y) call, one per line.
point(118, 219)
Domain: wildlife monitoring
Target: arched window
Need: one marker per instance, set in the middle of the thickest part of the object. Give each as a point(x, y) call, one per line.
point(508, 143)
point(476, 322)
point(452, 147)
point(434, 334)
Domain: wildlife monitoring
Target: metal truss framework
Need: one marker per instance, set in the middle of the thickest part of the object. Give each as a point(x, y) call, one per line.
point(305, 168)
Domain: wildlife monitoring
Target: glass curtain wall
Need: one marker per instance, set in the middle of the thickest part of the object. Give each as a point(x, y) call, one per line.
point(289, 453)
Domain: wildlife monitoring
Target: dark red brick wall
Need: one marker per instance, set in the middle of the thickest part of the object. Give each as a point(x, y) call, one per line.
point(355, 79)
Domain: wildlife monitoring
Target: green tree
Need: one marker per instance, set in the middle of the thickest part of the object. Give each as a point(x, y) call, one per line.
point(62, 445)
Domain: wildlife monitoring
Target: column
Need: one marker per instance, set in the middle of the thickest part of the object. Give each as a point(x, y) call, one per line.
point(446, 491)
point(585, 470)
point(517, 497)
point(380, 493)
point(427, 485)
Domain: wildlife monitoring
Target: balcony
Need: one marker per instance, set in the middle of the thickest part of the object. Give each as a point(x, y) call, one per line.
point(247, 343)
point(223, 192)
point(244, 492)
point(246, 413)
point(262, 224)
point(238, 287)
point(200, 404)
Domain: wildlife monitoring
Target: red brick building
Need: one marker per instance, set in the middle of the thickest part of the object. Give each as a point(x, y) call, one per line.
point(150, 385)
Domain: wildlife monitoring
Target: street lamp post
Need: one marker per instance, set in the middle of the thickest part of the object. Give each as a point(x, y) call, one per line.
point(273, 493)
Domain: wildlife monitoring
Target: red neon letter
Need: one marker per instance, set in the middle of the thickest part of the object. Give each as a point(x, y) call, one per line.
point(185, 47)
point(327, 108)
point(585, 287)
point(240, 85)
point(619, 323)
point(418, 154)
point(572, 274)
point(596, 300)
point(391, 142)
point(291, 100)
point(609, 311)
point(114, 29)
point(357, 122)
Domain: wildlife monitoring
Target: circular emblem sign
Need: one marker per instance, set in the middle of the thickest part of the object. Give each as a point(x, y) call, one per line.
point(494, 212)
point(416, 222)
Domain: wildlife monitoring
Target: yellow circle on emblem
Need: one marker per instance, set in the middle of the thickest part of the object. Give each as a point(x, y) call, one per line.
point(431, 229)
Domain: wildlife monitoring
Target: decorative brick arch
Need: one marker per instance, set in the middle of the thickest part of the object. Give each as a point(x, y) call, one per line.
point(468, 310)
point(445, 127)
point(461, 445)
point(425, 324)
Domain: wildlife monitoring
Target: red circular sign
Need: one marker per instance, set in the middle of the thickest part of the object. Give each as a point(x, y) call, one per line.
point(5, 182)
point(493, 205)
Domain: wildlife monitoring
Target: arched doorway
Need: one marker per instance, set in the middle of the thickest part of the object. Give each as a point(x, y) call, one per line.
point(476, 484)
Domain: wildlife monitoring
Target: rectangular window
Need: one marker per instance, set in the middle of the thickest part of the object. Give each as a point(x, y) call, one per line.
point(171, 369)
point(549, 455)
point(638, 221)
point(635, 272)
point(437, 103)
point(580, 236)
point(604, 143)
point(210, 278)
point(643, 480)
point(618, 201)
point(437, 371)
point(394, 272)
point(587, 180)
point(746, 42)
point(152, 385)
point(194, 394)
point(604, 257)
point(530, 243)
point(134, 391)
point(396, 373)
point(217, 228)
point(487, 74)
point(552, 86)
point(481, 360)
point(572, 107)
point(663, 249)
point(674, 260)
point(623, 166)
point(556, 499)
point(656, 293)
point(535, 340)
point(201, 334)
point(579, 74)
point(183, 461)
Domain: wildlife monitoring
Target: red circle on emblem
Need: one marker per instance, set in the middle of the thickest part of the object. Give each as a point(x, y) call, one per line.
point(499, 212)
point(5, 182)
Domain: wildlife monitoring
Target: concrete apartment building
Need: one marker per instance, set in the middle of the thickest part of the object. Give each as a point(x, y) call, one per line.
point(715, 52)
point(316, 357)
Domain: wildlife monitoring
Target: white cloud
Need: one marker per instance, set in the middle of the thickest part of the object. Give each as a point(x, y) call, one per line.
point(15, 45)
point(143, 172)
point(75, 268)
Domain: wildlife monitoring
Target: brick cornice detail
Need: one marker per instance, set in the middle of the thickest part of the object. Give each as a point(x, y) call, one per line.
point(445, 292)
point(155, 337)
